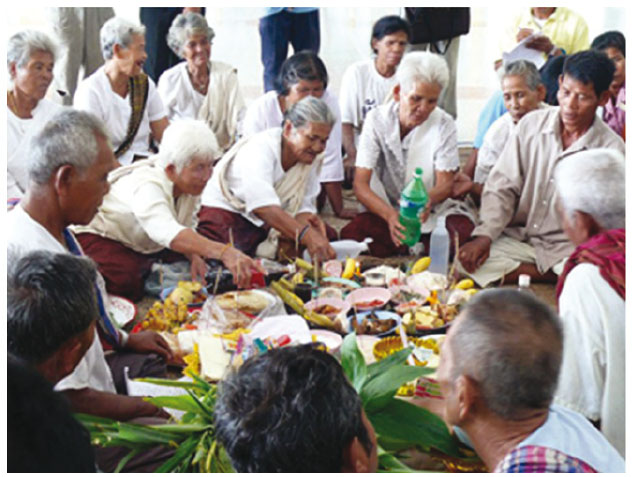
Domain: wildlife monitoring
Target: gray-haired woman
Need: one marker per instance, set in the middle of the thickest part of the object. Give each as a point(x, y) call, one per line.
point(198, 87)
point(30, 60)
point(398, 137)
point(270, 181)
point(121, 95)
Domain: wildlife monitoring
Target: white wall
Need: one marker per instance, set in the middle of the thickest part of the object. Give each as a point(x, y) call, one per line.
point(345, 33)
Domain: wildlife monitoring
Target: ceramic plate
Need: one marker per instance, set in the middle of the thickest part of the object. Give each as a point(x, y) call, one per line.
point(121, 309)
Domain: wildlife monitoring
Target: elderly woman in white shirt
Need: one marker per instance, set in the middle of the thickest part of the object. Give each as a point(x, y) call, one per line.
point(30, 59)
point(263, 191)
point(591, 289)
point(303, 74)
point(121, 95)
point(397, 138)
point(199, 88)
point(151, 212)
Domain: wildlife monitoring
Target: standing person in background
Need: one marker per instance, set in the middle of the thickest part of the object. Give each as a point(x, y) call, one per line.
point(366, 84)
point(157, 21)
point(612, 43)
point(77, 30)
point(438, 30)
point(281, 26)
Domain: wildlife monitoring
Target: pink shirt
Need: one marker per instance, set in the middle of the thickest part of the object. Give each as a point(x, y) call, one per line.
point(614, 113)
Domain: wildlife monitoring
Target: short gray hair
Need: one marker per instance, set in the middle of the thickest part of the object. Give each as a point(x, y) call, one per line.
point(118, 31)
point(511, 344)
point(309, 110)
point(593, 182)
point(185, 139)
point(51, 297)
point(422, 67)
point(527, 70)
point(23, 44)
point(184, 26)
point(69, 137)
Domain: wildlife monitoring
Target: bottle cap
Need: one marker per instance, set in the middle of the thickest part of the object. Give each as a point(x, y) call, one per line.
point(524, 280)
point(418, 172)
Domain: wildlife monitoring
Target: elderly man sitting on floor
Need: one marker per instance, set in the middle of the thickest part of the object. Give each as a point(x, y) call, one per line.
point(498, 372)
point(150, 214)
point(591, 289)
point(519, 230)
point(263, 192)
point(523, 92)
point(69, 161)
point(409, 132)
point(52, 309)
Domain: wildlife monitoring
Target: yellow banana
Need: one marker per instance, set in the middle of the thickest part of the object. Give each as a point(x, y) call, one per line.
point(350, 268)
point(471, 291)
point(465, 284)
point(421, 265)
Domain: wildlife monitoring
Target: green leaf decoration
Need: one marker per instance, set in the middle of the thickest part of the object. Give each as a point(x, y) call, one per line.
point(353, 362)
point(183, 451)
point(400, 420)
point(377, 392)
point(125, 460)
point(181, 403)
point(397, 358)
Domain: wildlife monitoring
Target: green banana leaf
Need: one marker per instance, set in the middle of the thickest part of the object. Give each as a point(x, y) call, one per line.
point(184, 402)
point(377, 392)
point(400, 420)
point(352, 362)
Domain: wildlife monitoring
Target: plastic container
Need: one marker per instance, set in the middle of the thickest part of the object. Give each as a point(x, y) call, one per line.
point(440, 248)
point(524, 283)
point(414, 198)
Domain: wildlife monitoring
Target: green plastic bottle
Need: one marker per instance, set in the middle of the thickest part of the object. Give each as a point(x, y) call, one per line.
point(413, 200)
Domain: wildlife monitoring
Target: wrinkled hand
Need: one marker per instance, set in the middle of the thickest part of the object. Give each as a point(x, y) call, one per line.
point(318, 246)
point(541, 43)
point(396, 228)
point(241, 266)
point(524, 33)
point(426, 212)
point(317, 224)
point(149, 342)
point(461, 186)
point(198, 269)
point(474, 253)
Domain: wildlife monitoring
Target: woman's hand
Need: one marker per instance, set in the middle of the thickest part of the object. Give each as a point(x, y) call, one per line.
point(462, 185)
point(198, 269)
point(396, 228)
point(149, 342)
point(318, 245)
point(241, 266)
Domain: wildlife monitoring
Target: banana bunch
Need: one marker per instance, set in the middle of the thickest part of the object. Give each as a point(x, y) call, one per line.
point(352, 267)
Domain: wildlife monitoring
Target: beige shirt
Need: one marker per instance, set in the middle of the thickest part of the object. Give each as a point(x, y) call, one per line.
point(140, 210)
point(519, 197)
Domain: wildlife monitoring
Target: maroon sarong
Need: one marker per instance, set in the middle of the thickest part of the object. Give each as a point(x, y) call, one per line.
point(215, 223)
point(606, 250)
point(123, 269)
point(368, 224)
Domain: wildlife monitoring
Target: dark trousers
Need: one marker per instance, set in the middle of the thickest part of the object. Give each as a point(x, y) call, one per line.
point(123, 269)
point(367, 224)
point(302, 30)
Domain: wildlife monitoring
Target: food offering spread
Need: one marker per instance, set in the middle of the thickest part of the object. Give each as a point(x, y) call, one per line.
point(385, 324)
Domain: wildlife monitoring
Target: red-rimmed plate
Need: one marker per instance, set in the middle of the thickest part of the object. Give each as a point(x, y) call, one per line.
point(366, 299)
point(121, 310)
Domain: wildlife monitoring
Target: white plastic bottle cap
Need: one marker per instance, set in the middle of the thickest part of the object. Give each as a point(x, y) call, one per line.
point(524, 281)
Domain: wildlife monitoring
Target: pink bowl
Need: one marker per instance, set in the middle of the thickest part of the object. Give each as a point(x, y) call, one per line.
point(371, 298)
